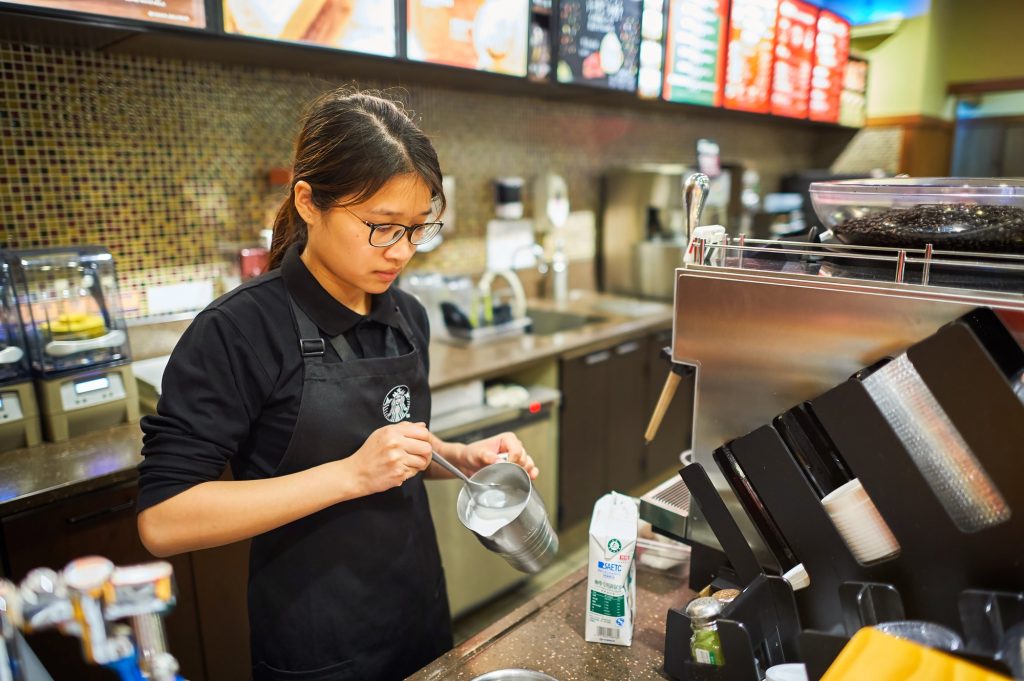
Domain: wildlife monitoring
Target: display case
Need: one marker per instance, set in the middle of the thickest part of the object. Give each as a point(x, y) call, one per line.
point(19, 416)
point(76, 338)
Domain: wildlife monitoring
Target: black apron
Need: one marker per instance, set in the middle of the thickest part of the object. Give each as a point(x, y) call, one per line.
point(355, 591)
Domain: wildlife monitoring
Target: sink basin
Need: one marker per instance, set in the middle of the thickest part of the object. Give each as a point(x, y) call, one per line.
point(547, 322)
point(631, 308)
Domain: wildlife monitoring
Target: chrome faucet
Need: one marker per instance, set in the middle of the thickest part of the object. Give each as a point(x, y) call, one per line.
point(538, 255)
point(554, 270)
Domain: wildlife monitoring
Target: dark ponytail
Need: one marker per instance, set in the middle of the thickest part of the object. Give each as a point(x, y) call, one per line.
point(289, 228)
point(350, 145)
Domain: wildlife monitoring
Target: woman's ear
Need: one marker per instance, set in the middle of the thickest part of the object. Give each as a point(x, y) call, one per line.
point(304, 202)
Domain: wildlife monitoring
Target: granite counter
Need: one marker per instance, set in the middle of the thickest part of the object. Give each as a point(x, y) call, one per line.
point(547, 635)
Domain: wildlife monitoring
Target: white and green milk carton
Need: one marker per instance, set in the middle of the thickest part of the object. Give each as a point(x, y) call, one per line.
point(611, 579)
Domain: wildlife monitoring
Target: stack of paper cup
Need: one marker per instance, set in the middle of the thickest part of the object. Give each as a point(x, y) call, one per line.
point(859, 523)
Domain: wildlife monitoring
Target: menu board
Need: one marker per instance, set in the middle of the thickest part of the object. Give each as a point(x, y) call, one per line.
point(853, 101)
point(794, 58)
point(486, 35)
point(599, 43)
point(190, 13)
point(831, 50)
point(354, 25)
point(748, 67)
point(652, 57)
point(695, 51)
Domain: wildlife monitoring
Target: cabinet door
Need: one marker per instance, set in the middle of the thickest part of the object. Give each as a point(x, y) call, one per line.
point(97, 523)
point(676, 430)
point(221, 585)
point(583, 440)
point(625, 413)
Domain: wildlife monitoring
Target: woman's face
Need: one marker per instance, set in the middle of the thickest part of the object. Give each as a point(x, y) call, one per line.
point(338, 250)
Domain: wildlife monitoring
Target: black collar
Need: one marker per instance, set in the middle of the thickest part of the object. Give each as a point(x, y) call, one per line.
point(330, 316)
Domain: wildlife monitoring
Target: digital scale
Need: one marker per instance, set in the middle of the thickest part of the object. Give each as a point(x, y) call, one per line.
point(76, 339)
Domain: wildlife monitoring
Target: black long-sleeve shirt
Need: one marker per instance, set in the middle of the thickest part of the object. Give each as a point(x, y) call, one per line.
point(233, 384)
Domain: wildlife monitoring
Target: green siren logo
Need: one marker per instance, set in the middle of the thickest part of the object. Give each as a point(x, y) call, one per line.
point(614, 545)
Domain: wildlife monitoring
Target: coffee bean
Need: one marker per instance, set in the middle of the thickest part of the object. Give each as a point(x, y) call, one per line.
point(953, 226)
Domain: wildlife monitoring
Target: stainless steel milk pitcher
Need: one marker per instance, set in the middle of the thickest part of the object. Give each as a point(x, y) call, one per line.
point(525, 538)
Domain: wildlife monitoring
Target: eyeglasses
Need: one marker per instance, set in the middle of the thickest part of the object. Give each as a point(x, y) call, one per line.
point(388, 233)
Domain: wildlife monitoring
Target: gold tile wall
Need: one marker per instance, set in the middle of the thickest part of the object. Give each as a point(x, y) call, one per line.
point(161, 160)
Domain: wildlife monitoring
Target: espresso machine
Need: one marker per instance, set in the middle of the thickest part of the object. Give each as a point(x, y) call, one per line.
point(643, 233)
point(813, 330)
point(19, 414)
point(76, 338)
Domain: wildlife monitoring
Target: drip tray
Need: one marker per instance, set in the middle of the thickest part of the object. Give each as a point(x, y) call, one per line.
point(667, 507)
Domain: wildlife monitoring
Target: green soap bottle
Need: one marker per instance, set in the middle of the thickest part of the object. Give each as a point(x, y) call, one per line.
point(705, 645)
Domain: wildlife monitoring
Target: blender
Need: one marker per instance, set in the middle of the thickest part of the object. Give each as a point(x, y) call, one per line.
point(76, 338)
point(19, 415)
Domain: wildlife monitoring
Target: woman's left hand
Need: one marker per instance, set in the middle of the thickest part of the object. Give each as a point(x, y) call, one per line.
point(501, 447)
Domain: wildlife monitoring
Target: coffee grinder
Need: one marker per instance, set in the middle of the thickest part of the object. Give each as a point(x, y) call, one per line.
point(76, 337)
point(19, 415)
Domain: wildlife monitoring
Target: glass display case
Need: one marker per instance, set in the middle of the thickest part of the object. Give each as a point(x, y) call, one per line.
point(19, 416)
point(13, 357)
point(70, 307)
point(76, 338)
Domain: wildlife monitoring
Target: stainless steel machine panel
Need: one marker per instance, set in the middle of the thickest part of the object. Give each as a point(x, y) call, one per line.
point(765, 341)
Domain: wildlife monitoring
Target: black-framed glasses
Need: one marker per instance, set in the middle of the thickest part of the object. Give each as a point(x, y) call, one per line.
point(385, 234)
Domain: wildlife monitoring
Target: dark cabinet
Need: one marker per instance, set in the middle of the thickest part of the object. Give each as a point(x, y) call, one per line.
point(221, 584)
point(675, 434)
point(96, 523)
point(601, 428)
point(608, 395)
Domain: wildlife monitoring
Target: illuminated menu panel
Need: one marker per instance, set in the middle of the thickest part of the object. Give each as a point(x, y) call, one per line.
point(652, 52)
point(599, 43)
point(853, 101)
point(356, 25)
point(190, 13)
point(486, 35)
point(695, 51)
point(831, 50)
point(748, 67)
point(794, 58)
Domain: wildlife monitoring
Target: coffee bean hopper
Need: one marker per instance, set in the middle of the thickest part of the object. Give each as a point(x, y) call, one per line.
point(19, 415)
point(76, 337)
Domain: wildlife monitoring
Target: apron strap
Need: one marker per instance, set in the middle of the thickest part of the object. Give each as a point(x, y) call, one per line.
point(311, 344)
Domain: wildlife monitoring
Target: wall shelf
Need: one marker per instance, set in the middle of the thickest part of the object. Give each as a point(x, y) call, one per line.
point(123, 37)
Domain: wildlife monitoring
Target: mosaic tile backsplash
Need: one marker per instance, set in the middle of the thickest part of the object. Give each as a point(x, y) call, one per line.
point(164, 161)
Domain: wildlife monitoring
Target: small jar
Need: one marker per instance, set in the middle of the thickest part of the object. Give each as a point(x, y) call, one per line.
point(705, 645)
point(725, 596)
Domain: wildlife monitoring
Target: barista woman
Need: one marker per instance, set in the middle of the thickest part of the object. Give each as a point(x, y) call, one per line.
point(311, 382)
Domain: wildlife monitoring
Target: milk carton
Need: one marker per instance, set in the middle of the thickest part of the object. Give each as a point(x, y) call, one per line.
point(611, 578)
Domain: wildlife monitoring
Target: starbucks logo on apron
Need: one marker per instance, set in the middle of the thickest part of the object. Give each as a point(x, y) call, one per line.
point(397, 403)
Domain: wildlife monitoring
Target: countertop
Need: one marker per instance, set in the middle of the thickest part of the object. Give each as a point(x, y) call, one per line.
point(37, 475)
point(622, 317)
point(547, 635)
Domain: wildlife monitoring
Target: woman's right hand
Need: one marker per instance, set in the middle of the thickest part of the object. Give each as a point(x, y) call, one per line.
point(391, 455)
